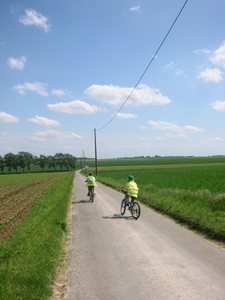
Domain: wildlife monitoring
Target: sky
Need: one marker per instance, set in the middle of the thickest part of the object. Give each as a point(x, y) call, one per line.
point(70, 69)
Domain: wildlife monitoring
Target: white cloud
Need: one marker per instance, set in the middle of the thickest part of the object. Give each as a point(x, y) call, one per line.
point(144, 127)
point(44, 121)
point(213, 75)
point(115, 95)
point(126, 116)
point(169, 126)
point(7, 118)
point(59, 93)
point(218, 105)
point(42, 136)
point(73, 107)
point(204, 51)
point(32, 17)
point(219, 56)
point(17, 63)
point(219, 139)
point(135, 8)
point(180, 72)
point(170, 65)
point(38, 87)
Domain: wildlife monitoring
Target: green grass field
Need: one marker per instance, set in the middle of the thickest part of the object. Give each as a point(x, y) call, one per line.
point(191, 190)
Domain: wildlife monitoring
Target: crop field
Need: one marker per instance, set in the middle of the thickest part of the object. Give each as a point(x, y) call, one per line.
point(18, 193)
point(205, 177)
point(156, 161)
point(191, 190)
point(33, 230)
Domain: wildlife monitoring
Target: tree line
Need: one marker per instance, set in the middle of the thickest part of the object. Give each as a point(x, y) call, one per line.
point(26, 160)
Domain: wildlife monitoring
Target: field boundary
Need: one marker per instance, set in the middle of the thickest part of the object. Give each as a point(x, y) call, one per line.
point(166, 166)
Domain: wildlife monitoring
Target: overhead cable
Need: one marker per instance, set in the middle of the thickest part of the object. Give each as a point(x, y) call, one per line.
point(139, 80)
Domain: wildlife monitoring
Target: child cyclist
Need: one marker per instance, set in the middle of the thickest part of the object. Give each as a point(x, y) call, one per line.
point(90, 182)
point(131, 188)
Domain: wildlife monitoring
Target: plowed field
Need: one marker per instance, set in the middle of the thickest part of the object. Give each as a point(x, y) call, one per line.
point(18, 193)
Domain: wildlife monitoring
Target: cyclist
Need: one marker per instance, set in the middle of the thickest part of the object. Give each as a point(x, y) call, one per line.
point(131, 189)
point(90, 182)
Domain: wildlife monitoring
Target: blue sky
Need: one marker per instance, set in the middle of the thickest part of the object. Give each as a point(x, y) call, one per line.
point(67, 67)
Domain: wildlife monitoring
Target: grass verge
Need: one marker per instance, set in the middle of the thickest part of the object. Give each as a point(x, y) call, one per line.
point(28, 260)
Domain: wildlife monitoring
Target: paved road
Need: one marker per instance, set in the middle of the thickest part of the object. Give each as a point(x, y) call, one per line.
point(117, 257)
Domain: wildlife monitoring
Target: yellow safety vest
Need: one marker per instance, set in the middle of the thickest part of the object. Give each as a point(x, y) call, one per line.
point(132, 189)
point(91, 181)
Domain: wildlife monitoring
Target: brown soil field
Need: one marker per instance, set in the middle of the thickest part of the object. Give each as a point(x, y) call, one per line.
point(17, 201)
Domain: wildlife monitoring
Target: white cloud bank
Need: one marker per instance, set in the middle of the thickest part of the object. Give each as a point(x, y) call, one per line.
point(43, 136)
point(7, 118)
point(73, 107)
point(212, 75)
point(218, 57)
point(126, 116)
point(44, 121)
point(38, 87)
point(169, 126)
point(17, 63)
point(31, 17)
point(115, 95)
point(218, 105)
point(135, 8)
point(59, 93)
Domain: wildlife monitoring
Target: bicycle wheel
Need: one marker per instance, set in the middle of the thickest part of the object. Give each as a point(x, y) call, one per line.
point(92, 195)
point(135, 210)
point(123, 207)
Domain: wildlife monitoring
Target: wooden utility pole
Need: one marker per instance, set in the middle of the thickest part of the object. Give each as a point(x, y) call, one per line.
point(96, 161)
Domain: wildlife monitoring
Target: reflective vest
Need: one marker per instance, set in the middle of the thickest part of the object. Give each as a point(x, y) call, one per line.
point(91, 181)
point(132, 189)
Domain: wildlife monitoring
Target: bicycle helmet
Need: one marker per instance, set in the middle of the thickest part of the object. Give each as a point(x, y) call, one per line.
point(130, 178)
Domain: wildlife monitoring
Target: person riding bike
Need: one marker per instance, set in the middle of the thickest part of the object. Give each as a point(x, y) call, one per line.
point(91, 183)
point(131, 189)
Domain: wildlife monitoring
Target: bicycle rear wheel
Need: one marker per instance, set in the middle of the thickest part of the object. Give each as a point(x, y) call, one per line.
point(135, 210)
point(123, 207)
point(92, 195)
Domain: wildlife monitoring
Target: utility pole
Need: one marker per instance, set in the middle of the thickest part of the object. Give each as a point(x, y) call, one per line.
point(96, 167)
point(83, 157)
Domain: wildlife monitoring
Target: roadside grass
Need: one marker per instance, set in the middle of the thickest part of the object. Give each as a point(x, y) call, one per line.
point(28, 260)
point(192, 196)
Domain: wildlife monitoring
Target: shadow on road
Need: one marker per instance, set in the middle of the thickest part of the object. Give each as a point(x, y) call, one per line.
point(81, 201)
point(116, 217)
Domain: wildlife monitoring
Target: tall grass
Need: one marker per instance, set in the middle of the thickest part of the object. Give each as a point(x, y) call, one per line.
point(29, 258)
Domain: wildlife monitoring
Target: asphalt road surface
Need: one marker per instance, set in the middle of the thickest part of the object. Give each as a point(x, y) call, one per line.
point(117, 257)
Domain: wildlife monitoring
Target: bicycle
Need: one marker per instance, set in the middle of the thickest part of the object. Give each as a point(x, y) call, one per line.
point(132, 205)
point(91, 194)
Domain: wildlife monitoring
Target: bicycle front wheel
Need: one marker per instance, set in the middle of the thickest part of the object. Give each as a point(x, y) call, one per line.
point(123, 207)
point(135, 210)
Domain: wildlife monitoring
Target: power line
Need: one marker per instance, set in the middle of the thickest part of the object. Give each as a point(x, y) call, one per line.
point(139, 80)
point(89, 143)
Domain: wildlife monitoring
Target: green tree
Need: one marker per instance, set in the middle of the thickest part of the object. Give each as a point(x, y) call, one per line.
point(42, 161)
point(71, 161)
point(51, 162)
point(9, 158)
point(15, 164)
point(22, 160)
point(29, 159)
point(59, 159)
point(2, 164)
